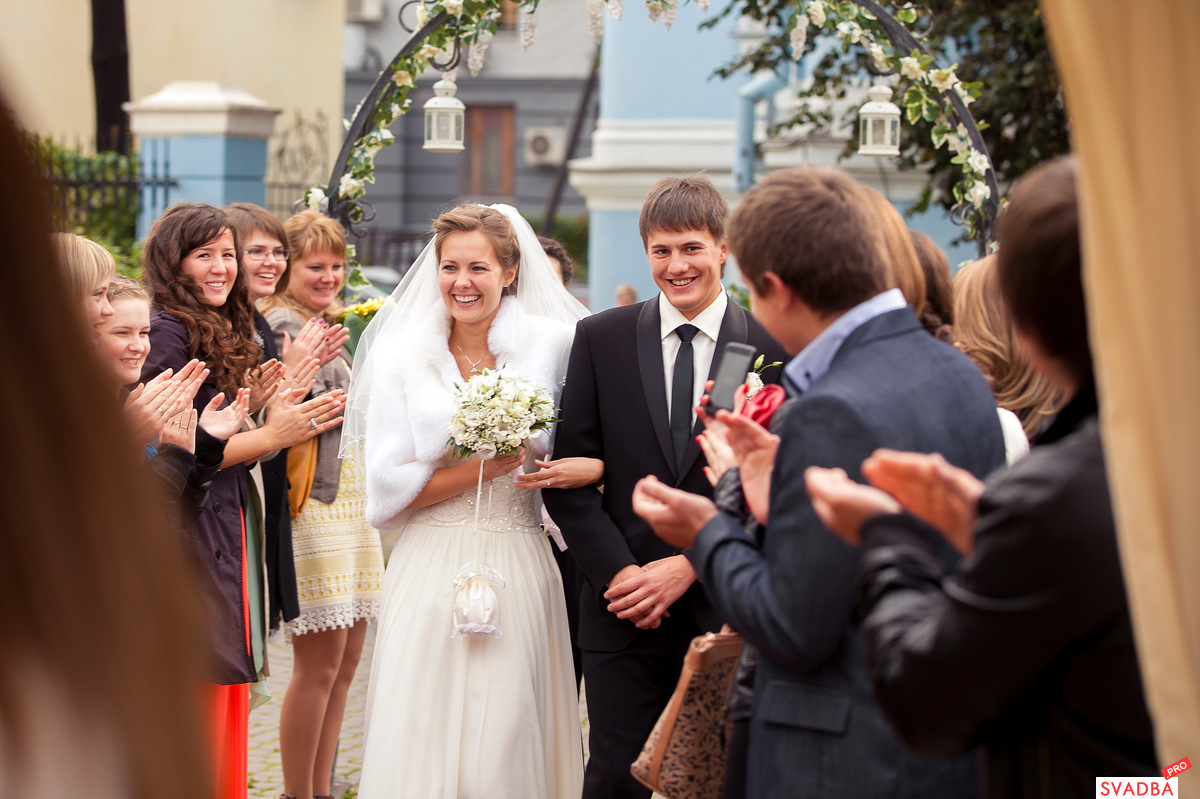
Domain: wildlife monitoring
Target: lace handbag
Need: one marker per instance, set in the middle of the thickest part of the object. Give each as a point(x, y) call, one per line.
point(685, 753)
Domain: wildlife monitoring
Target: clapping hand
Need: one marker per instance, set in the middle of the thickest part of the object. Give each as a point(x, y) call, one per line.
point(223, 423)
point(318, 340)
point(263, 382)
point(754, 453)
point(151, 403)
point(291, 422)
point(929, 488)
point(180, 430)
point(301, 377)
point(842, 504)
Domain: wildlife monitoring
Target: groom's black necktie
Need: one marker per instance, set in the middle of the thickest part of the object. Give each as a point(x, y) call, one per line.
point(681, 393)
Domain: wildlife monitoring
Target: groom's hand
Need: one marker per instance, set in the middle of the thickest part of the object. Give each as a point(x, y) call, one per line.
point(644, 596)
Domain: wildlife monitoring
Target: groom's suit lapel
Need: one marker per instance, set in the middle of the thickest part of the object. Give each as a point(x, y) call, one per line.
point(650, 368)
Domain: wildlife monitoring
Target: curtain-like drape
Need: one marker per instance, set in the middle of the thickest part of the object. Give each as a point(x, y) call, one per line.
point(1131, 76)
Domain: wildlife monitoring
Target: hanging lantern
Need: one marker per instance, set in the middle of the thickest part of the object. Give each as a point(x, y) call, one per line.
point(444, 119)
point(879, 124)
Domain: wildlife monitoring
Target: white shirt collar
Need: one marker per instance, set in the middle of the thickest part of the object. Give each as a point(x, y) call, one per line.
point(708, 321)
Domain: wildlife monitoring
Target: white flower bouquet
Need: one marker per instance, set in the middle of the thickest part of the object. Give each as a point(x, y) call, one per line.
point(494, 413)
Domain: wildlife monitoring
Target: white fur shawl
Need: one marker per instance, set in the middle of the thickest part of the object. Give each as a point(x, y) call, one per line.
point(407, 430)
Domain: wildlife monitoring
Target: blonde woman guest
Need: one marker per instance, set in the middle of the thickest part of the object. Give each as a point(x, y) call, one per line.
point(339, 563)
point(984, 331)
point(90, 270)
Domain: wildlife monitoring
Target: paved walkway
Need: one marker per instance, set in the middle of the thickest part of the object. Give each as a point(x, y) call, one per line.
point(266, 775)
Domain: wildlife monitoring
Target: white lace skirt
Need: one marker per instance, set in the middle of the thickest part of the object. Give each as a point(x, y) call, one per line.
point(339, 563)
point(473, 716)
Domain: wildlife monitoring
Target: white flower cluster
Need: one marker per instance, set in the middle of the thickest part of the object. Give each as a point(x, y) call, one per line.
point(478, 50)
point(495, 411)
point(527, 25)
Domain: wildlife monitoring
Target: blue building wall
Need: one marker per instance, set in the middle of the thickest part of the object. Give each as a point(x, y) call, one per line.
point(218, 170)
point(650, 72)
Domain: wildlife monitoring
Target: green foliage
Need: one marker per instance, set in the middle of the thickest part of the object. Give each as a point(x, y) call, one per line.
point(571, 231)
point(1002, 58)
point(96, 196)
point(739, 294)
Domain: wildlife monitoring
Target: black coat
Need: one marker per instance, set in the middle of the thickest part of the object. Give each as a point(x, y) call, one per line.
point(284, 604)
point(1028, 650)
point(214, 541)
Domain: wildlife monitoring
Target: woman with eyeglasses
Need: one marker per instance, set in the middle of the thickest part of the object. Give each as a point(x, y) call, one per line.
point(264, 265)
point(338, 559)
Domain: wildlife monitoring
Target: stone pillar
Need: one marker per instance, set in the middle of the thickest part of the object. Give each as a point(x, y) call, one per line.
point(211, 139)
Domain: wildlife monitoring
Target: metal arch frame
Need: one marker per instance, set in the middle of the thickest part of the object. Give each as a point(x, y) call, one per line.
point(986, 222)
point(341, 208)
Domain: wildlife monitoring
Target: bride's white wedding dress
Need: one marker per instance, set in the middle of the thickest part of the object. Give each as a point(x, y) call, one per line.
point(475, 716)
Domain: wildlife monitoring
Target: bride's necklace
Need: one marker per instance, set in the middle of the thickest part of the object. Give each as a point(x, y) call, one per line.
point(474, 363)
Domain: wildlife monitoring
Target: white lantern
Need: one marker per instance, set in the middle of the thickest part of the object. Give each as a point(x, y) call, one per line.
point(879, 124)
point(444, 119)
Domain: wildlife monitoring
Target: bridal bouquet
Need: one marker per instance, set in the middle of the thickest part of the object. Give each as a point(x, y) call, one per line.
point(494, 412)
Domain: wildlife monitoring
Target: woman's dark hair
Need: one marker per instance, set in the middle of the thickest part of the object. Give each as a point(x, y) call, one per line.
point(938, 314)
point(1039, 265)
point(222, 337)
point(555, 250)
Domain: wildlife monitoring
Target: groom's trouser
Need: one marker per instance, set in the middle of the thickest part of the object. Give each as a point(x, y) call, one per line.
point(626, 692)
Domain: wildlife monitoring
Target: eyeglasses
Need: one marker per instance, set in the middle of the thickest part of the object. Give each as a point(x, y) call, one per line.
point(259, 254)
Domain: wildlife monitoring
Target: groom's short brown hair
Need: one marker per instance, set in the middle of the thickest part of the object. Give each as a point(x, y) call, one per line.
point(681, 204)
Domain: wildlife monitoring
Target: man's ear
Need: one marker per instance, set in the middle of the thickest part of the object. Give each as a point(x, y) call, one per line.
point(777, 290)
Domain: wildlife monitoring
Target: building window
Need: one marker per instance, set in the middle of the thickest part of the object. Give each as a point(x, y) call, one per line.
point(488, 170)
point(508, 16)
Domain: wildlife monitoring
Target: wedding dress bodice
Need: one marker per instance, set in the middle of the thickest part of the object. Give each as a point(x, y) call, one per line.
point(503, 508)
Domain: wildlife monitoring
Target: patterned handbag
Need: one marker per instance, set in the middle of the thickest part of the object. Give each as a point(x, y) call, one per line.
point(684, 757)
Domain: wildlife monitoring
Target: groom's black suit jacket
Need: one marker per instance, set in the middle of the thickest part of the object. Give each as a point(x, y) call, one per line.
point(614, 407)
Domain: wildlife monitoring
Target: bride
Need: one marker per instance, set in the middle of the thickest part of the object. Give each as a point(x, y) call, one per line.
point(474, 715)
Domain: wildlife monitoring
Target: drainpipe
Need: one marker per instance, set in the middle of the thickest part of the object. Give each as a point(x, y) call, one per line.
point(762, 87)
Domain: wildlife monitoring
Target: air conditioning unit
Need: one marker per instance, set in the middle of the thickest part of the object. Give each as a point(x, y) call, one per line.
point(545, 145)
point(364, 10)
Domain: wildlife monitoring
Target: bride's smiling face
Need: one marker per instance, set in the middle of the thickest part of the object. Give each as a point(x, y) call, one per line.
point(471, 277)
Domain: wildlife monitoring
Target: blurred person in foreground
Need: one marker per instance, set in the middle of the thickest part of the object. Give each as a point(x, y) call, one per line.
point(1026, 650)
point(100, 651)
point(865, 373)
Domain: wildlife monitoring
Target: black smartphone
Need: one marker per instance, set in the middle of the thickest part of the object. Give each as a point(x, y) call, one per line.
point(731, 373)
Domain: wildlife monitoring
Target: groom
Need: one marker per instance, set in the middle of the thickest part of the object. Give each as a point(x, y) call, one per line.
point(635, 374)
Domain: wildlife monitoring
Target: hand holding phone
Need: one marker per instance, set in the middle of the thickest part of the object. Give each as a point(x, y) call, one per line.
point(731, 373)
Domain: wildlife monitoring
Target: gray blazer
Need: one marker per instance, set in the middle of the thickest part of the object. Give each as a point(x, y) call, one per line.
point(815, 729)
point(333, 375)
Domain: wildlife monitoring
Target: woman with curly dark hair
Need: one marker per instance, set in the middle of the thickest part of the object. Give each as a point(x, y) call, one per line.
point(202, 310)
